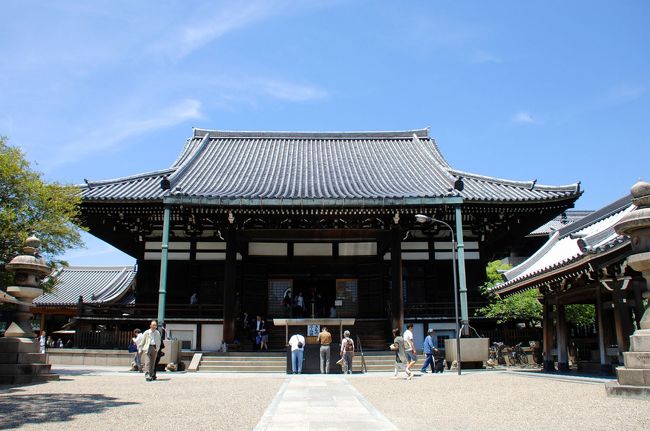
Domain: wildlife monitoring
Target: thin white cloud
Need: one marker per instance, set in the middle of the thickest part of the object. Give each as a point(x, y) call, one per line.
point(485, 57)
point(523, 117)
point(122, 128)
point(289, 91)
point(205, 29)
point(625, 93)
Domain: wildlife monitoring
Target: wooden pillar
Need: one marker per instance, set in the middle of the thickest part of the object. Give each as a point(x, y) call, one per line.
point(622, 320)
point(199, 341)
point(229, 285)
point(547, 328)
point(605, 366)
point(396, 291)
point(562, 337)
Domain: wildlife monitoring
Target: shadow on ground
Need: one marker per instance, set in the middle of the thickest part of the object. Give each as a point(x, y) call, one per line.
point(18, 409)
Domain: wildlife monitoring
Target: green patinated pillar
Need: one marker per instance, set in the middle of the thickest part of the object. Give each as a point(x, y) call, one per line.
point(460, 245)
point(162, 287)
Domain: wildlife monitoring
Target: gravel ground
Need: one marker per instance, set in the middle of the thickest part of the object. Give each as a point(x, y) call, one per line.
point(500, 400)
point(115, 401)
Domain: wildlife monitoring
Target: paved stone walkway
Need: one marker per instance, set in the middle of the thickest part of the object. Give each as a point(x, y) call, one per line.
point(317, 402)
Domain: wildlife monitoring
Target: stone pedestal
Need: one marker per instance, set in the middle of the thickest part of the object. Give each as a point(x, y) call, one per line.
point(634, 377)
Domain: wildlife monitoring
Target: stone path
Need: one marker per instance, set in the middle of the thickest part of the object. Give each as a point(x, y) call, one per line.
point(317, 402)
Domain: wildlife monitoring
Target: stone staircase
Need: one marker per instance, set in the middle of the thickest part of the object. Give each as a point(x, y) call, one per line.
point(275, 362)
point(243, 362)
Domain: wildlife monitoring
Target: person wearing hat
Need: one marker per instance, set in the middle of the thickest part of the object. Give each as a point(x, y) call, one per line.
point(347, 352)
point(428, 348)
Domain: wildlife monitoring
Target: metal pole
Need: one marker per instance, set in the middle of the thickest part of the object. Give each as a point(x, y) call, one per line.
point(162, 289)
point(453, 256)
point(464, 313)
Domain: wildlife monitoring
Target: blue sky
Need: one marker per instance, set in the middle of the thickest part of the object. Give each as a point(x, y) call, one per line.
point(552, 90)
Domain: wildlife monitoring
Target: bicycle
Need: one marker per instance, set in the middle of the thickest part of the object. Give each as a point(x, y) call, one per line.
point(496, 355)
point(517, 355)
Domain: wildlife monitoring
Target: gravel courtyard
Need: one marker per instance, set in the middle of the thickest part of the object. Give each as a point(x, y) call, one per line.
point(121, 401)
point(105, 399)
point(500, 400)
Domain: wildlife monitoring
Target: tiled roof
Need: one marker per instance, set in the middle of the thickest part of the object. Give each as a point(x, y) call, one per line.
point(96, 284)
point(588, 236)
point(559, 222)
point(317, 166)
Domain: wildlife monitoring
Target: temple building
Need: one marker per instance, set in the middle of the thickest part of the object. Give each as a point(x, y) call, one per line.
point(313, 224)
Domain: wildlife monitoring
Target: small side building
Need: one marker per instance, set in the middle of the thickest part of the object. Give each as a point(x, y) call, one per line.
point(73, 309)
point(584, 263)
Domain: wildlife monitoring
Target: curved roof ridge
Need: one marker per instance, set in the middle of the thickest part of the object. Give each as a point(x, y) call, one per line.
point(436, 154)
point(99, 267)
point(518, 270)
point(531, 184)
point(406, 134)
point(598, 215)
point(189, 159)
point(129, 177)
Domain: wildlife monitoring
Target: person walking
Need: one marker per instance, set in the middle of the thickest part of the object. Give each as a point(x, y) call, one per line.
point(428, 349)
point(260, 331)
point(42, 341)
point(297, 343)
point(398, 348)
point(149, 345)
point(409, 349)
point(325, 339)
point(137, 358)
point(347, 352)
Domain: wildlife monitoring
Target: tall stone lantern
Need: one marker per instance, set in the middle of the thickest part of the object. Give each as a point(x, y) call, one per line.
point(20, 357)
point(634, 377)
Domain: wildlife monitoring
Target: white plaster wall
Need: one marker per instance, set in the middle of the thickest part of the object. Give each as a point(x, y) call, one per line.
point(211, 336)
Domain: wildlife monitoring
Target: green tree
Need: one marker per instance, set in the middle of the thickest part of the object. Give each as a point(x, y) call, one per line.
point(525, 306)
point(521, 307)
point(30, 204)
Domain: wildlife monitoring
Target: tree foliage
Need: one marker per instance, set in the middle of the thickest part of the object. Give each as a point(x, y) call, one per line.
point(30, 204)
point(525, 307)
point(521, 307)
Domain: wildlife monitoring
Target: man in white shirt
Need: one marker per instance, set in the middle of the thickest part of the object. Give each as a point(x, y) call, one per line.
point(409, 349)
point(297, 343)
point(150, 344)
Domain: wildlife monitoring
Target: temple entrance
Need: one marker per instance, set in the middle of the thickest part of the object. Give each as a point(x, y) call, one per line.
point(319, 296)
point(312, 298)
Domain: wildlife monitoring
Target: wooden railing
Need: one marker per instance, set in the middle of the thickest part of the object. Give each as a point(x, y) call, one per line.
point(150, 311)
point(102, 339)
point(437, 309)
point(513, 336)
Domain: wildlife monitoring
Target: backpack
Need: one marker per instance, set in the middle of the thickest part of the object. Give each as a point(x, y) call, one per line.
point(349, 345)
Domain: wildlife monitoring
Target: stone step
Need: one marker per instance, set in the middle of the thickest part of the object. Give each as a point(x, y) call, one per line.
point(24, 369)
point(640, 341)
point(22, 358)
point(638, 360)
point(626, 391)
point(243, 369)
point(633, 377)
point(239, 363)
point(25, 379)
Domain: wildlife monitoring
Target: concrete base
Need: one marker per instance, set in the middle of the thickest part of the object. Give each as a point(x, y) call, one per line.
point(615, 389)
point(471, 350)
point(22, 363)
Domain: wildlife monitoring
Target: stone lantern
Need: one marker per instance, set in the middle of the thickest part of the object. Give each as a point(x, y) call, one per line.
point(634, 377)
point(20, 357)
